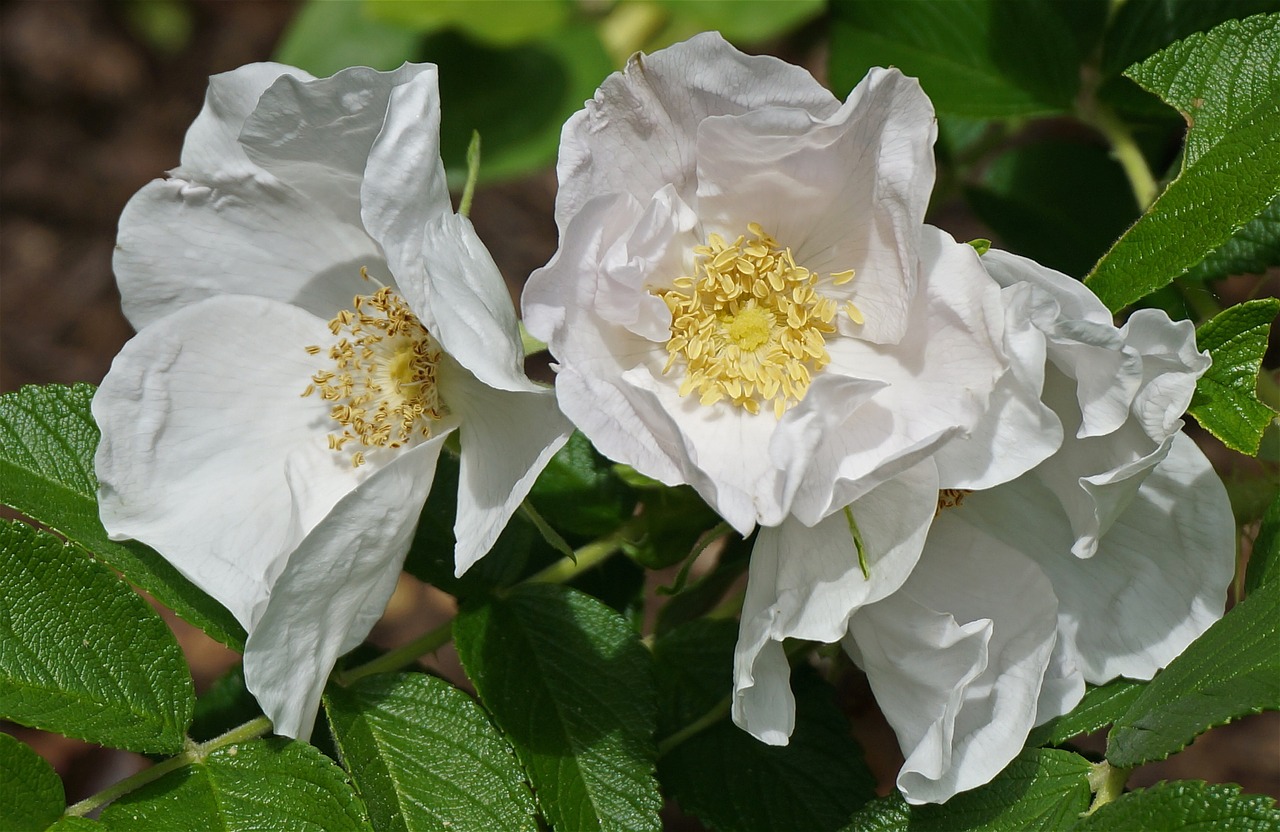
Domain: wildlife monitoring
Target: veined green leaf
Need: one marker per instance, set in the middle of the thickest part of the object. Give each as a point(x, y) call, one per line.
point(973, 57)
point(260, 784)
point(1226, 398)
point(1231, 670)
point(1042, 789)
point(425, 757)
point(1185, 805)
point(729, 779)
point(1101, 706)
point(33, 796)
point(81, 653)
point(1226, 82)
point(1264, 560)
point(47, 442)
point(568, 681)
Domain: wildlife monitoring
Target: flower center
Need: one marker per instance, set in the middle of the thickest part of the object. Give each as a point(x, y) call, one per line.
point(383, 384)
point(952, 498)
point(749, 324)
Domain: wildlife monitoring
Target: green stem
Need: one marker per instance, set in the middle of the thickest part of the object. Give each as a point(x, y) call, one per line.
point(584, 559)
point(1198, 298)
point(548, 534)
point(403, 655)
point(195, 753)
point(1107, 783)
point(702, 723)
point(473, 173)
point(1126, 152)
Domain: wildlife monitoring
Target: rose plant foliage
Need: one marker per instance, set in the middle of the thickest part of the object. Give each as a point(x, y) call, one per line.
point(795, 435)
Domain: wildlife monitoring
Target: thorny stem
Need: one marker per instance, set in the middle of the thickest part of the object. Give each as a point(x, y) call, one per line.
point(1107, 783)
point(195, 753)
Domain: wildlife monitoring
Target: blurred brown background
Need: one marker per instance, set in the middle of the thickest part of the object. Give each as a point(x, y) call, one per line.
point(90, 110)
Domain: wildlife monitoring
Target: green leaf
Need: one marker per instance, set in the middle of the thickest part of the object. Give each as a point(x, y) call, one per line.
point(701, 596)
point(569, 682)
point(732, 781)
point(1231, 670)
point(226, 704)
point(1264, 560)
point(327, 36)
point(260, 784)
point(1031, 197)
point(674, 519)
point(1226, 398)
point(1140, 28)
point(1226, 82)
point(47, 442)
point(33, 796)
point(1185, 805)
point(1252, 250)
point(986, 58)
point(425, 757)
point(430, 556)
point(746, 21)
point(517, 97)
point(497, 22)
point(1042, 789)
point(82, 654)
point(71, 823)
point(580, 493)
point(1101, 706)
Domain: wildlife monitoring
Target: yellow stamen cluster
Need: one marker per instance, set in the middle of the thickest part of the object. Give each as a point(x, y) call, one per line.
point(952, 498)
point(383, 384)
point(750, 324)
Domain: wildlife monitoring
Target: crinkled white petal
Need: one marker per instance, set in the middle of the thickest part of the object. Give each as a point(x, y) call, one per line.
point(957, 657)
point(1171, 366)
point(316, 135)
point(404, 183)
point(280, 216)
point(938, 379)
point(507, 439)
point(558, 302)
point(1018, 431)
point(638, 134)
point(201, 415)
point(462, 300)
point(1075, 301)
point(1159, 576)
point(806, 583)
point(212, 152)
point(182, 241)
point(846, 191)
point(333, 588)
point(649, 255)
point(1095, 478)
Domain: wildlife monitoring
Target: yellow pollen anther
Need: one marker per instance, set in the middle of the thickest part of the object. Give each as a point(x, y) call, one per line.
point(750, 324)
point(952, 498)
point(384, 389)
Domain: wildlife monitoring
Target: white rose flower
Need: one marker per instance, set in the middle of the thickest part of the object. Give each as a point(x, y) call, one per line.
point(272, 437)
point(1105, 560)
point(746, 299)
